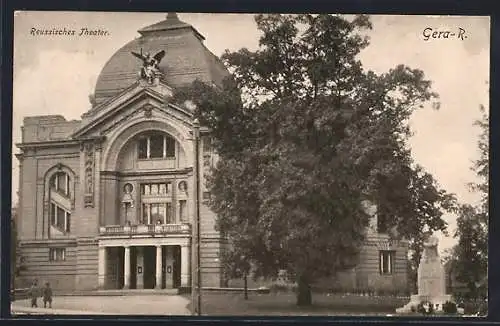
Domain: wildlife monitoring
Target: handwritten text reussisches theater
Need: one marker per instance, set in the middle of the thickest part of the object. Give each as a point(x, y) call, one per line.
point(84, 31)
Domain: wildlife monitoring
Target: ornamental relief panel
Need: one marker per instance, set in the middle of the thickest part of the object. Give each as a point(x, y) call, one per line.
point(89, 166)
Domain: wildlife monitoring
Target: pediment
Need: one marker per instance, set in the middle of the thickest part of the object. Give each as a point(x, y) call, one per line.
point(137, 100)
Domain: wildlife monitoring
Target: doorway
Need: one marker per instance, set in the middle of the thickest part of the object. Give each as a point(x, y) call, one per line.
point(149, 267)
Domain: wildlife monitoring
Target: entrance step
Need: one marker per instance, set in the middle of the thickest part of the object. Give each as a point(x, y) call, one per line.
point(119, 292)
point(139, 292)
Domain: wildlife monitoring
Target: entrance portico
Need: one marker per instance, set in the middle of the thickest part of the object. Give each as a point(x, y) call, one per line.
point(146, 263)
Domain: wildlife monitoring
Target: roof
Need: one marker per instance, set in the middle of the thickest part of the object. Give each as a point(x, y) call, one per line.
point(186, 59)
point(170, 23)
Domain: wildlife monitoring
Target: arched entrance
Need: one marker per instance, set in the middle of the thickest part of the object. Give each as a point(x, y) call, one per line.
point(145, 200)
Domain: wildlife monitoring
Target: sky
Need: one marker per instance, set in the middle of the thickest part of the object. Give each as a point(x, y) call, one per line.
point(56, 74)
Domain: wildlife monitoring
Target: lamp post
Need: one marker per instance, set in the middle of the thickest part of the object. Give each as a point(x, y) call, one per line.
point(245, 276)
point(196, 270)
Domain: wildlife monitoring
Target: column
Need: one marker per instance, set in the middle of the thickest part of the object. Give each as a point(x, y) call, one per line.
point(158, 267)
point(140, 268)
point(126, 267)
point(164, 147)
point(389, 262)
point(185, 260)
point(67, 184)
point(169, 267)
point(65, 221)
point(102, 268)
point(148, 147)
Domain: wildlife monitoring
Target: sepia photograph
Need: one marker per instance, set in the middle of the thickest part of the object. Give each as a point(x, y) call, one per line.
point(218, 164)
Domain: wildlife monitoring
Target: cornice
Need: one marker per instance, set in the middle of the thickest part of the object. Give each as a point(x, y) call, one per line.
point(48, 144)
point(49, 242)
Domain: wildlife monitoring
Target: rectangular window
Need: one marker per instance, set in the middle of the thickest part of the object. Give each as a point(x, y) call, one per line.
point(155, 213)
point(57, 254)
point(169, 147)
point(163, 189)
point(162, 213)
point(386, 261)
point(61, 216)
point(156, 146)
point(156, 189)
point(142, 148)
point(53, 217)
point(67, 185)
point(170, 217)
point(145, 213)
point(61, 183)
point(382, 223)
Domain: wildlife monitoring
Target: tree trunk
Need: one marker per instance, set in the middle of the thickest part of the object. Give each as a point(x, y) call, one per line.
point(304, 296)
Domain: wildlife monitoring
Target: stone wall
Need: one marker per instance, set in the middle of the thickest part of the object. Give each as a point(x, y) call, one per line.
point(45, 128)
point(87, 264)
point(210, 262)
point(60, 274)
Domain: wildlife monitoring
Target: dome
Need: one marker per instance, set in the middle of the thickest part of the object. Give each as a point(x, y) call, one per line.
point(186, 59)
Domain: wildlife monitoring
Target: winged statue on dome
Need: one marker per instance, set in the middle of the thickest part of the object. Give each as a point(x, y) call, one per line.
point(150, 64)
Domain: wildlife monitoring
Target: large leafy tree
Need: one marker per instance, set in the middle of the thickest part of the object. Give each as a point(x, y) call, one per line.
point(469, 259)
point(304, 135)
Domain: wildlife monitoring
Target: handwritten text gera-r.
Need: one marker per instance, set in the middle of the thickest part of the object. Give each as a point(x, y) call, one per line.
point(430, 33)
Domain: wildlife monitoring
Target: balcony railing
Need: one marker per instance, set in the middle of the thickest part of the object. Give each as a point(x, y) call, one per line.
point(151, 229)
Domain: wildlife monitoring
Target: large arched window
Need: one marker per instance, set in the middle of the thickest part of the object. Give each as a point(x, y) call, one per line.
point(155, 145)
point(60, 208)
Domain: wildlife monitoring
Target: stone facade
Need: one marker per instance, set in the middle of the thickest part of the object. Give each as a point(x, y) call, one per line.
point(106, 202)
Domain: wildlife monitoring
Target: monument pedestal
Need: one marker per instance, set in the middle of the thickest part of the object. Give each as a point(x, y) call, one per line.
point(431, 280)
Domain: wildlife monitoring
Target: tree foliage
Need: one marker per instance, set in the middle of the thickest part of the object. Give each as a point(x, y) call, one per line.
point(469, 259)
point(304, 134)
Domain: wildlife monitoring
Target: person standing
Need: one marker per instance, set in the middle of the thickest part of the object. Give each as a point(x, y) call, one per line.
point(47, 295)
point(34, 294)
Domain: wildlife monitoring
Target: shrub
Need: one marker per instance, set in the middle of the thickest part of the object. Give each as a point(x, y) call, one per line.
point(483, 308)
point(425, 308)
point(449, 307)
point(473, 307)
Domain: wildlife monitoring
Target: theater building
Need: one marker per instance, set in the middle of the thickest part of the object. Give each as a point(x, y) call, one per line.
point(106, 202)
